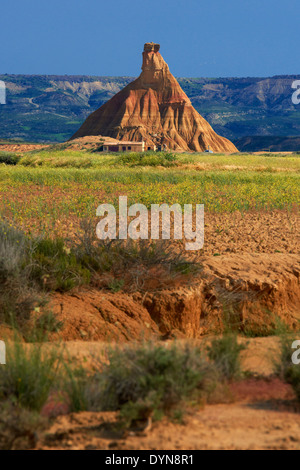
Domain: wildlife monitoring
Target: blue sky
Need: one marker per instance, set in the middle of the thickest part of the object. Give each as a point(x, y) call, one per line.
point(199, 38)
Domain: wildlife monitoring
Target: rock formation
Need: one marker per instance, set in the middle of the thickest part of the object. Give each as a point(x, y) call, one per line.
point(155, 109)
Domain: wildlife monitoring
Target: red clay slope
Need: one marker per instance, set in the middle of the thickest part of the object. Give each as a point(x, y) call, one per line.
point(155, 109)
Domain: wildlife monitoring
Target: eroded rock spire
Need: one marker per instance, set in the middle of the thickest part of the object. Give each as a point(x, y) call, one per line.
point(154, 108)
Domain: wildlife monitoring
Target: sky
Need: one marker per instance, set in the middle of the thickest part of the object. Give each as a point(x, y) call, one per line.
point(199, 38)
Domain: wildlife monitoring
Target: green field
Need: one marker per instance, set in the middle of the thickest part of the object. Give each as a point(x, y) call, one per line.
point(48, 189)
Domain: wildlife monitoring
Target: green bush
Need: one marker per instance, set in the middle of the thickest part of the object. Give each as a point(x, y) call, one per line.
point(116, 285)
point(48, 322)
point(13, 246)
point(84, 391)
point(32, 267)
point(225, 354)
point(131, 258)
point(154, 379)
point(55, 267)
point(29, 375)
point(16, 295)
point(284, 367)
point(9, 158)
point(147, 159)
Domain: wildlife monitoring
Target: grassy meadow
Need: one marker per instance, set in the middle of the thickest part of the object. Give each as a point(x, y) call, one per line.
point(50, 191)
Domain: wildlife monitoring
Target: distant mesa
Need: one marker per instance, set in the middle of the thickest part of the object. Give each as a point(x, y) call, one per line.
point(154, 109)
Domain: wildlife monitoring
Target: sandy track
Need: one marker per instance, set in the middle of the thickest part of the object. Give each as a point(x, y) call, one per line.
point(256, 414)
point(269, 423)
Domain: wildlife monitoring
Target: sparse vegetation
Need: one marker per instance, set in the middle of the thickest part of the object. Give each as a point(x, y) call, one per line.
point(148, 159)
point(48, 322)
point(31, 267)
point(9, 158)
point(84, 389)
point(284, 366)
point(225, 352)
point(19, 427)
point(17, 296)
point(29, 375)
point(142, 381)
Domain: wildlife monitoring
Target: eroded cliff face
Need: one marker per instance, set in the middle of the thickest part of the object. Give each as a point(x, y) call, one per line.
point(155, 109)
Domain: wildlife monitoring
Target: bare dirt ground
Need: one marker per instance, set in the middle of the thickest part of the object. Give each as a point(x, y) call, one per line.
point(258, 413)
point(275, 231)
point(20, 148)
point(239, 426)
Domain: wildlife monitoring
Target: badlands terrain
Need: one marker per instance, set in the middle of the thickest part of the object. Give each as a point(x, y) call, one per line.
point(255, 113)
point(155, 109)
point(244, 280)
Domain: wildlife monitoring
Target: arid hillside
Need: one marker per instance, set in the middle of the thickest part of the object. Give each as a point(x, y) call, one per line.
point(154, 109)
point(51, 108)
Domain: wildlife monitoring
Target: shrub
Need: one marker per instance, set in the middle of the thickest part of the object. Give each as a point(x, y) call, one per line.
point(75, 384)
point(292, 377)
point(286, 339)
point(54, 267)
point(48, 322)
point(28, 375)
point(132, 258)
point(9, 158)
point(16, 295)
point(116, 285)
point(12, 251)
point(147, 159)
point(84, 391)
point(19, 427)
point(284, 367)
point(225, 354)
point(155, 379)
point(32, 267)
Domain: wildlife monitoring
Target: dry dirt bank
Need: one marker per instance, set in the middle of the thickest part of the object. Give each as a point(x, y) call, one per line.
point(251, 291)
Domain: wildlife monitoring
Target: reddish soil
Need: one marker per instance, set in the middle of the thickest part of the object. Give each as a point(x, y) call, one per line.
point(253, 232)
point(247, 291)
point(263, 416)
point(20, 148)
point(254, 414)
